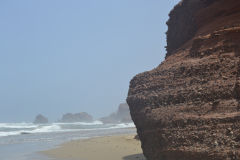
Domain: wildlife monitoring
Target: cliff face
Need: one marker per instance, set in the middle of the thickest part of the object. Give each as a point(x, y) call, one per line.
point(192, 17)
point(188, 108)
point(183, 18)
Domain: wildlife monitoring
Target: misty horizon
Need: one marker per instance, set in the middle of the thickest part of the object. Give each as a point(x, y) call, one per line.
point(60, 57)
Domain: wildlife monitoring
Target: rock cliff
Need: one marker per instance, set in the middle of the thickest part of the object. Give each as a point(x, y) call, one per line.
point(188, 108)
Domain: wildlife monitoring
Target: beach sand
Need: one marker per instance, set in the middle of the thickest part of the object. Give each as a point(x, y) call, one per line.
point(121, 147)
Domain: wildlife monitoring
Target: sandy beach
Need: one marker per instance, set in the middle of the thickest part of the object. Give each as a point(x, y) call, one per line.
point(121, 147)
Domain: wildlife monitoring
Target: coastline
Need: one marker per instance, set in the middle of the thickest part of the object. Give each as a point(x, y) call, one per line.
point(117, 147)
point(29, 146)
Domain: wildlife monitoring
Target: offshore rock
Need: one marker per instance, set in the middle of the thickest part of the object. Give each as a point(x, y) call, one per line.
point(188, 108)
point(121, 116)
point(76, 117)
point(40, 119)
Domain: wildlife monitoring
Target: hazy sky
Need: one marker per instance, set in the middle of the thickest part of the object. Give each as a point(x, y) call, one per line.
point(59, 56)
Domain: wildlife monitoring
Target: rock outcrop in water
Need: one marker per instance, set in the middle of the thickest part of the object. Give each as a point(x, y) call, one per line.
point(77, 117)
point(188, 108)
point(121, 116)
point(40, 119)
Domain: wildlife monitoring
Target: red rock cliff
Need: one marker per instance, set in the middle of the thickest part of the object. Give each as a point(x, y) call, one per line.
point(188, 108)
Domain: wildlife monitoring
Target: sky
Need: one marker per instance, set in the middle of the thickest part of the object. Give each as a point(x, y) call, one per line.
point(60, 56)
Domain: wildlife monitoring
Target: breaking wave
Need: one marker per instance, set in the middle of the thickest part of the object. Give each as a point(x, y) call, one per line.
point(12, 129)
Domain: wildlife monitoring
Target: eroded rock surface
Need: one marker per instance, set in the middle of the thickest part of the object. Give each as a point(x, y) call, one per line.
point(188, 108)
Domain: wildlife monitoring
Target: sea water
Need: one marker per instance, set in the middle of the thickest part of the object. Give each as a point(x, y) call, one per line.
point(23, 141)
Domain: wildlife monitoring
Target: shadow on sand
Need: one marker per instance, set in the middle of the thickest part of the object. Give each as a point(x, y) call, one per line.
point(135, 157)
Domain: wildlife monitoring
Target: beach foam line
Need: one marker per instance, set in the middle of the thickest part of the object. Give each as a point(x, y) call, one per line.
point(18, 125)
point(81, 123)
point(59, 127)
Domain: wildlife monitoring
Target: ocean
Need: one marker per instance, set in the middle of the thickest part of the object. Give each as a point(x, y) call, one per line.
point(24, 141)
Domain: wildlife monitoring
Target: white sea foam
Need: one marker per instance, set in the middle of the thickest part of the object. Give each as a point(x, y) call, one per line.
point(124, 125)
point(44, 129)
point(18, 125)
point(11, 129)
point(3, 134)
point(112, 126)
point(83, 123)
point(41, 129)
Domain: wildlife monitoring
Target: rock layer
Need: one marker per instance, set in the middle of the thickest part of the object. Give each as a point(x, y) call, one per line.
point(188, 108)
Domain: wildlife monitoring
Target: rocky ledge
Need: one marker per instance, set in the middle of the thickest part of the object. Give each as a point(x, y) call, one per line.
point(188, 108)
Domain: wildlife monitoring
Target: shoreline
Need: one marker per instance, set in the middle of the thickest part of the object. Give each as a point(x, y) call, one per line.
point(115, 147)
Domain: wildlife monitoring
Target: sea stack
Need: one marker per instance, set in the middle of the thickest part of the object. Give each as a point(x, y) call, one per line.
point(121, 116)
point(77, 117)
point(40, 119)
point(188, 108)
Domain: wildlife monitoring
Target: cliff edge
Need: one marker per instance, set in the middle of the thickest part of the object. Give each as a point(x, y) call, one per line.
point(188, 108)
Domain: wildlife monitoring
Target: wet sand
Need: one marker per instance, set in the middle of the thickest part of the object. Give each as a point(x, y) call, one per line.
point(121, 147)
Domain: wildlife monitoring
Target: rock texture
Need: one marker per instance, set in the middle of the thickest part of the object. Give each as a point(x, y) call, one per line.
point(183, 17)
point(121, 116)
point(77, 117)
point(40, 119)
point(188, 108)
